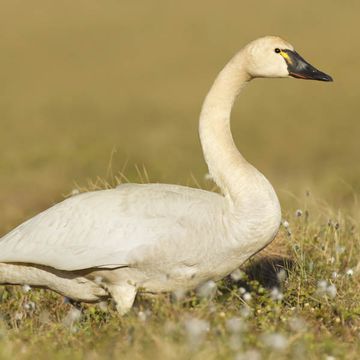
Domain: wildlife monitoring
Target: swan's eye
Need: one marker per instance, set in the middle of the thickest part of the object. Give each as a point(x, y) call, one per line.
point(277, 50)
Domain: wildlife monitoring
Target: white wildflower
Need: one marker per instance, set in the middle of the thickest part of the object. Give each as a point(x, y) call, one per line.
point(350, 272)
point(237, 275)
point(285, 224)
point(298, 212)
point(26, 288)
point(29, 306)
point(276, 294)
point(247, 297)
point(235, 325)
point(275, 341)
point(334, 275)
point(207, 290)
point(321, 286)
point(142, 316)
point(18, 316)
point(245, 311)
point(196, 330)
point(331, 291)
point(324, 289)
point(72, 317)
point(242, 290)
point(297, 324)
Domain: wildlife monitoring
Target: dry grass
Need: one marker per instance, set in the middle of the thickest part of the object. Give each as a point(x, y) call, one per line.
point(298, 300)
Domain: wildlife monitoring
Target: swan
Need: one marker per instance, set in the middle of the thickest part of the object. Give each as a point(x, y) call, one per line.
point(155, 237)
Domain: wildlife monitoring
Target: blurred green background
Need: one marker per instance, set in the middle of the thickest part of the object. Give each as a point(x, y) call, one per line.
point(79, 79)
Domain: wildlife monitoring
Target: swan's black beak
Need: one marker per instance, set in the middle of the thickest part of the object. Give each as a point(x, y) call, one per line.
point(301, 69)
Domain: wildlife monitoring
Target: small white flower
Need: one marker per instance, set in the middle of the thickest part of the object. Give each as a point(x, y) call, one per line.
point(298, 212)
point(235, 325)
point(276, 294)
point(237, 275)
point(330, 357)
point(142, 316)
point(72, 317)
point(275, 341)
point(242, 290)
point(29, 305)
point(26, 288)
point(350, 272)
point(334, 275)
point(297, 324)
point(247, 297)
point(324, 289)
point(245, 311)
point(18, 316)
point(331, 291)
point(207, 290)
point(196, 330)
point(285, 224)
point(322, 285)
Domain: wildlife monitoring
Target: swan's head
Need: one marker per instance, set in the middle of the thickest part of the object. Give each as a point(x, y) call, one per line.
point(271, 56)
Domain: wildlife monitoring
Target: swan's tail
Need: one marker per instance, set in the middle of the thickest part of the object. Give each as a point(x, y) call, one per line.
point(63, 282)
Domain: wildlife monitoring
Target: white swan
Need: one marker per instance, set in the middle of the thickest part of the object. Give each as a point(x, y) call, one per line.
point(158, 237)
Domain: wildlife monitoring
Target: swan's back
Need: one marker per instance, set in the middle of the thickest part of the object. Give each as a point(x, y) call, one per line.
point(105, 228)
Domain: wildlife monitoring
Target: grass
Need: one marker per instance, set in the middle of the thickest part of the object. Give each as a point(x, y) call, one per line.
point(80, 79)
point(297, 299)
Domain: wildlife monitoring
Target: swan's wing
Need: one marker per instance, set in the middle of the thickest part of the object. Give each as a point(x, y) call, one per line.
point(104, 228)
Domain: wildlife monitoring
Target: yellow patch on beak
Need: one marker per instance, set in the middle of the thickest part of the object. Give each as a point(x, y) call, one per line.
point(286, 57)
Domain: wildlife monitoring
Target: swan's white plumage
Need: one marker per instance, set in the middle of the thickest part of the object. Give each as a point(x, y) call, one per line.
point(158, 237)
point(105, 228)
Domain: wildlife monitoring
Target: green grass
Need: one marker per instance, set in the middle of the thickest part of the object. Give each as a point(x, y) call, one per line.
point(79, 80)
point(314, 314)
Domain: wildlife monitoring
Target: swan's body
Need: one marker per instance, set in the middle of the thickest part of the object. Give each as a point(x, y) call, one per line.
point(158, 237)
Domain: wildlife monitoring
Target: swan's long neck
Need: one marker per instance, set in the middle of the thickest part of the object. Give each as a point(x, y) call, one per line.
point(240, 182)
